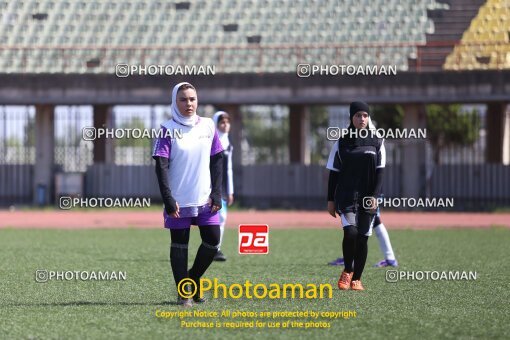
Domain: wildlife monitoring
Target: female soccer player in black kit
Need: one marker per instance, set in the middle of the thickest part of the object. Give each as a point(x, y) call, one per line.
point(356, 163)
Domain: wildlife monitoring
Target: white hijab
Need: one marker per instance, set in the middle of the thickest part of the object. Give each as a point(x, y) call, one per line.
point(223, 135)
point(176, 115)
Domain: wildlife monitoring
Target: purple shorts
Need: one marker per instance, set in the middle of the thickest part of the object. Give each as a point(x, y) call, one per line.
point(204, 216)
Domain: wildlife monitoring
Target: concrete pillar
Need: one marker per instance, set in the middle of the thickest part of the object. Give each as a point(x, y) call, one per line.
point(299, 131)
point(498, 131)
point(44, 154)
point(413, 156)
point(103, 147)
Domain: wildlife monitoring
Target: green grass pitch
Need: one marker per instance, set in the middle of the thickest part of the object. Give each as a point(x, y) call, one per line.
point(126, 309)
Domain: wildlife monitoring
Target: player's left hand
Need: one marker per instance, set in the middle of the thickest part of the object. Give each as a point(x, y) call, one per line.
point(214, 207)
point(331, 208)
point(230, 200)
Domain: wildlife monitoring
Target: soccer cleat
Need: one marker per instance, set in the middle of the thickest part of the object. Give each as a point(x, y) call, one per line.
point(386, 263)
point(356, 285)
point(344, 281)
point(199, 300)
point(338, 262)
point(196, 297)
point(220, 256)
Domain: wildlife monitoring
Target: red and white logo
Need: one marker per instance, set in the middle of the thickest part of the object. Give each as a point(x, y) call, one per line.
point(253, 239)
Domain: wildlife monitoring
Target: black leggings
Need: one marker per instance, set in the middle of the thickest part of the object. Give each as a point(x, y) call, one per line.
point(179, 252)
point(355, 242)
point(355, 249)
point(209, 234)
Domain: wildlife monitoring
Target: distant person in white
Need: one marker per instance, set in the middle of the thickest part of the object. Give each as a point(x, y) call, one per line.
point(222, 121)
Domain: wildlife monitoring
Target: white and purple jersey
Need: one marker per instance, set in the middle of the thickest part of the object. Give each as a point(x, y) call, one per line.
point(189, 157)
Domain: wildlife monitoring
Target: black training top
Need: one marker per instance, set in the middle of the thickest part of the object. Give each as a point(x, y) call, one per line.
point(356, 170)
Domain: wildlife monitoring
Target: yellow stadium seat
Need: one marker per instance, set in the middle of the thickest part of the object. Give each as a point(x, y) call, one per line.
point(485, 44)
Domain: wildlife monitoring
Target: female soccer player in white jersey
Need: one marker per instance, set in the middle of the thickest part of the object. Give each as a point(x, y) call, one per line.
point(355, 163)
point(189, 170)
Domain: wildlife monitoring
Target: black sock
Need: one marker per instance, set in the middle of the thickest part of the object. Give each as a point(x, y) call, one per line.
point(205, 254)
point(349, 246)
point(179, 261)
point(179, 253)
point(360, 256)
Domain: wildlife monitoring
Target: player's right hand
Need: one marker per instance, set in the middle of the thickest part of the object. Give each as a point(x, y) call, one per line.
point(331, 208)
point(171, 207)
point(176, 213)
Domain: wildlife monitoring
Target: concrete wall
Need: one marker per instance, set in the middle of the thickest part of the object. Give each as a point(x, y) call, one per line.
point(239, 89)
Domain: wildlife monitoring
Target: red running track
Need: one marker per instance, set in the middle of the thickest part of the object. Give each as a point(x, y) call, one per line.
point(275, 219)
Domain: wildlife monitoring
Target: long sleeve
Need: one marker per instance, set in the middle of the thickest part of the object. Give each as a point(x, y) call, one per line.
point(332, 183)
point(334, 164)
point(216, 168)
point(162, 164)
point(381, 164)
point(378, 182)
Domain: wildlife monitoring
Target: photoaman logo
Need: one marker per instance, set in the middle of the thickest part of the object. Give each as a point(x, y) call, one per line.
point(187, 288)
point(370, 202)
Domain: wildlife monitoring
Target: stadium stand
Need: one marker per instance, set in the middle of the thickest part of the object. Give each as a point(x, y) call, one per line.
point(70, 36)
point(486, 43)
point(448, 29)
